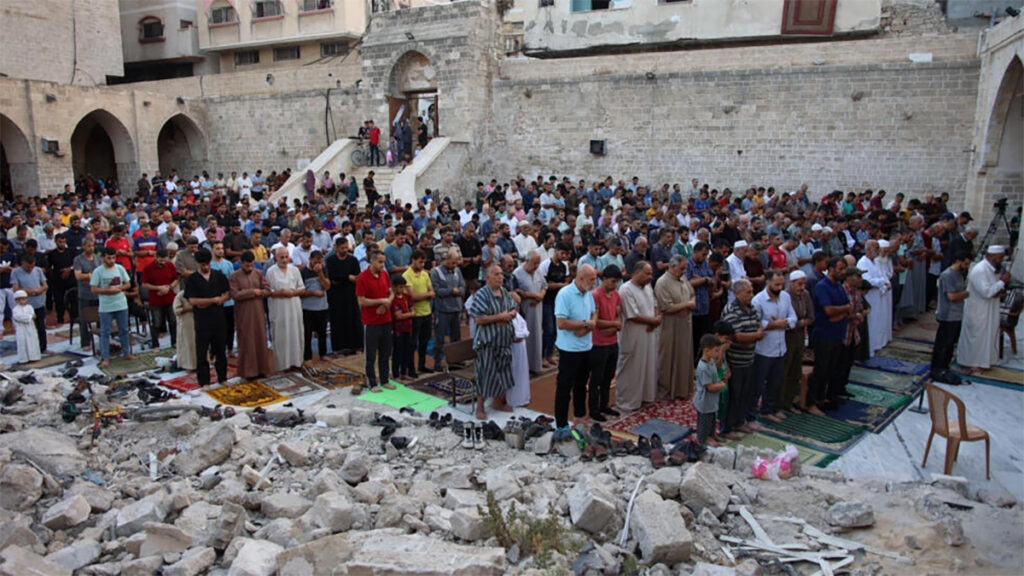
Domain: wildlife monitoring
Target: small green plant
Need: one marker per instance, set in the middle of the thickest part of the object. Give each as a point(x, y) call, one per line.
point(537, 537)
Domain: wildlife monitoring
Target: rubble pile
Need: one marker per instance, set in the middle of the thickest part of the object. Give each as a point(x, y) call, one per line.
point(181, 494)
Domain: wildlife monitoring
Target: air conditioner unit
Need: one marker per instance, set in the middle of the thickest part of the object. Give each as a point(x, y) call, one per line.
point(597, 147)
point(50, 146)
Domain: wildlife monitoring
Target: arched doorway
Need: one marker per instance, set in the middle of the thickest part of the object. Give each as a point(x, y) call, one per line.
point(412, 92)
point(18, 174)
point(181, 146)
point(101, 147)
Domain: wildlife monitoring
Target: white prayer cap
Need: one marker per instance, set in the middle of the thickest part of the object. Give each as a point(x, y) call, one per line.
point(827, 229)
point(796, 275)
point(21, 294)
point(996, 249)
point(740, 244)
point(883, 243)
point(816, 228)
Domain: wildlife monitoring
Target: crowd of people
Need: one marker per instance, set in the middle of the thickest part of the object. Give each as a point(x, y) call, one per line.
point(669, 293)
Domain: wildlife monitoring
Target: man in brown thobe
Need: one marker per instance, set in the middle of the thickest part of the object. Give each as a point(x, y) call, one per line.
point(248, 289)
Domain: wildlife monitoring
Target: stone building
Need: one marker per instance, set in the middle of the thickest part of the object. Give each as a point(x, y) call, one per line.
point(160, 41)
point(894, 97)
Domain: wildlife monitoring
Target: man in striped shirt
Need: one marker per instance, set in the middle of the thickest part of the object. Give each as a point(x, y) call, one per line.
point(743, 317)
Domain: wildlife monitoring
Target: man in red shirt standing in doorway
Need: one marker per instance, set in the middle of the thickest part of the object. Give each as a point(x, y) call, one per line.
point(373, 291)
point(374, 144)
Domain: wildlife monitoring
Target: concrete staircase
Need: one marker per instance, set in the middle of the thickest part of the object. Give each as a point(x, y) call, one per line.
point(382, 177)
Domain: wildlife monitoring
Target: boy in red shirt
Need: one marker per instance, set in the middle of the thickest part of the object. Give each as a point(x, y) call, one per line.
point(605, 353)
point(373, 291)
point(401, 326)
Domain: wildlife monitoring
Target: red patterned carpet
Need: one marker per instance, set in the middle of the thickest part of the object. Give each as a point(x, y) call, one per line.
point(681, 412)
point(189, 382)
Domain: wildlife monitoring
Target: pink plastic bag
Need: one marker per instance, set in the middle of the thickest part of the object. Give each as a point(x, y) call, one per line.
point(778, 468)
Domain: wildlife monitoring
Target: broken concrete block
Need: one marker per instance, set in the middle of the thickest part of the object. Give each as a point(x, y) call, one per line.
point(850, 515)
point(468, 525)
point(186, 423)
point(591, 507)
point(284, 505)
point(387, 553)
point(52, 451)
point(209, 447)
point(21, 486)
point(333, 417)
point(67, 513)
point(192, 563)
point(77, 555)
point(660, 530)
point(230, 524)
point(332, 511)
point(162, 538)
point(355, 469)
point(317, 558)
point(502, 482)
point(255, 558)
point(952, 531)
point(702, 489)
point(294, 454)
point(99, 500)
point(458, 498)
point(667, 480)
point(438, 519)
point(142, 566)
point(705, 569)
point(133, 517)
point(19, 561)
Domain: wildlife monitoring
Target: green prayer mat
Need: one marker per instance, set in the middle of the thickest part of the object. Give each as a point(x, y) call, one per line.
point(818, 428)
point(142, 362)
point(916, 346)
point(878, 397)
point(808, 456)
point(998, 374)
point(48, 361)
point(889, 380)
point(402, 397)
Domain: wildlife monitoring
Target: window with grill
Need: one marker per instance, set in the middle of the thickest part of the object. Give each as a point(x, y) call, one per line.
point(333, 49)
point(247, 57)
point(286, 53)
point(152, 28)
point(266, 8)
point(313, 5)
point(223, 15)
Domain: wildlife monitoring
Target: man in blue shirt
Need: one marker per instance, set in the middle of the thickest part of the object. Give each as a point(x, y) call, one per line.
point(576, 318)
point(831, 309)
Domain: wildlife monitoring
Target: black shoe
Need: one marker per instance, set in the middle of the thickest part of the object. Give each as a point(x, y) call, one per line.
point(610, 412)
point(597, 417)
point(426, 370)
point(845, 394)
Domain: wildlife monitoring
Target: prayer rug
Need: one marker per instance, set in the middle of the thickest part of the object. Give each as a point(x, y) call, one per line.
point(291, 384)
point(440, 385)
point(8, 347)
point(997, 374)
point(820, 432)
point(49, 361)
point(142, 362)
point(189, 382)
point(669, 432)
point(920, 331)
point(402, 397)
point(355, 363)
point(905, 355)
point(901, 383)
point(332, 376)
point(808, 456)
point(679, 412)
point(874, 418)
point(913, 345)
point(246, 395)
point(895, 366)
point(878, 397)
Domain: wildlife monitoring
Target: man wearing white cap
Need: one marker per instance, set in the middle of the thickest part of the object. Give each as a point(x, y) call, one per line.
point(880, 315)
point(979, 333)
point(736, 269)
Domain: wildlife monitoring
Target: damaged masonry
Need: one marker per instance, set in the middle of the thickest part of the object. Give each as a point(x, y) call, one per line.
point(175, 492)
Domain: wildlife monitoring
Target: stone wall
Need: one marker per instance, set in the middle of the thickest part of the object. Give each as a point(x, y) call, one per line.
point(61, 41)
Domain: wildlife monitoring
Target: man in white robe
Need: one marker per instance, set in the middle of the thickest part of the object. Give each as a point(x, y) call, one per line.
point(286, 287)
point(531, 286)
point(979, 336)
point(875, 275)
point(884, 263)
point(637, 373)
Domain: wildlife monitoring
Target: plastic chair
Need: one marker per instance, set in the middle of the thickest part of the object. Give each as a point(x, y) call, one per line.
point(954, 431)
point(1008, 318)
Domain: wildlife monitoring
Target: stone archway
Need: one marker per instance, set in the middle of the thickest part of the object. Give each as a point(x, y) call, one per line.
point(181, 145)
point(102, 147)
point(413, 84)
point(18, 174)
point(1002, 121)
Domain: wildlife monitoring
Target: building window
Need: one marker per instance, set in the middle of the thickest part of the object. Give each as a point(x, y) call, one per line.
point(247, 57)
point(286, 53)
point(546, 3)
point(314, 5)
point(184, 24)
point(223, 15)
point(588, 5)
point(266, 8)
point(333, 49)
point(151, 28)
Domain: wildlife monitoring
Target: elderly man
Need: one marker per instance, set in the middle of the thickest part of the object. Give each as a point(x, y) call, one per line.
point(638, 344)
point(531, 287)
point(737, 270)
point(775, 309)
point(879, 316)
point(796, 337)
point(746, 322)
point(576, 318)
point(286, 287)
point(979, 336)
point(676, 301)
point(449, 288)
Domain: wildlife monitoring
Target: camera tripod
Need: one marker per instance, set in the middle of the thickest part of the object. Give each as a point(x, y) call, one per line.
point(993, 229)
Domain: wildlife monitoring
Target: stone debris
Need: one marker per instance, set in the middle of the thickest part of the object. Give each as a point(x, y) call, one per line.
point(234, 497)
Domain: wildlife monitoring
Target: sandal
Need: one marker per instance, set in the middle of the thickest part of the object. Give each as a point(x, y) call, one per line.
point(588, 453)
point(657, 458)
point(600, 452)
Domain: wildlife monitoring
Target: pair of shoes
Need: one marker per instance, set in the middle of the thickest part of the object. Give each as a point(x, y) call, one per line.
point(401, 442)
point(610, 412)
point(473, 436)
point(562, 434)
point(597, 417)
point(657, 452)
point(438, 421)
point(357, 390)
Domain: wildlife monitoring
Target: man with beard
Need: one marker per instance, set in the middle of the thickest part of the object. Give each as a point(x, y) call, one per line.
point(249, 289)
point(207, 290)
point(342, 270)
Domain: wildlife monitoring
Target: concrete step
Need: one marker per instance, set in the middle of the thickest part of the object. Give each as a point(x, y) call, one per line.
point(382, 177)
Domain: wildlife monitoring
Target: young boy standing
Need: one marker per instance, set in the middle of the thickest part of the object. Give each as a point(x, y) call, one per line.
point(709, 384)
point(401, 326)
point(24, 317)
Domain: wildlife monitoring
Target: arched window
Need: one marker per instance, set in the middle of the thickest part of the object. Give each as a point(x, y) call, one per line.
point(151, 28)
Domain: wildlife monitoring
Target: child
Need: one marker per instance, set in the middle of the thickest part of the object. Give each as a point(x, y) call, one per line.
point(401, 326)
point(724, 332)
point(709, 384)
point(24, 317)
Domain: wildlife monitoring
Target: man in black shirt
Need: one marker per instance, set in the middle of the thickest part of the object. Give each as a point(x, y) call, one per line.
point(469, 245)
point(346, 328)
point(61, 277)
point(207, 290)
point(556, 273)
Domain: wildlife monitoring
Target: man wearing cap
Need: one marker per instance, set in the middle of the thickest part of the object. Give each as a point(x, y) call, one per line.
point(880, 315)
point(952, 292)
point(737, 271)
point(979, 335)
point(796, 337)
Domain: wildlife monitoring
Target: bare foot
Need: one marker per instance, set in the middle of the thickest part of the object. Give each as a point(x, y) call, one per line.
point(481, 415)
point(104, 363)
point(814, 410)
point(780, 415)
point(131, 357)
point(712, 442)
point(502, 407)
point(753, 426)
point(772, 418)
point(745, 429)
point(734, 436)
